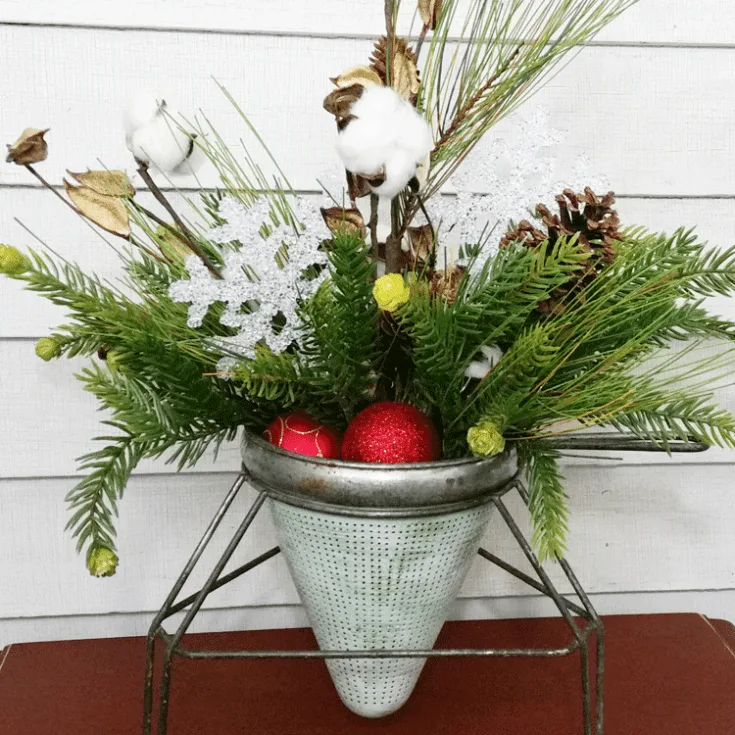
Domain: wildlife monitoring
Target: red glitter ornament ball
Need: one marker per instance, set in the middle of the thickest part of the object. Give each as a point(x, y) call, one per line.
point(391, 433)
point(301, 434)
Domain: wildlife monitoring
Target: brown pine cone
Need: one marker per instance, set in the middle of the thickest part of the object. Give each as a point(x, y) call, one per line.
point(591, 218)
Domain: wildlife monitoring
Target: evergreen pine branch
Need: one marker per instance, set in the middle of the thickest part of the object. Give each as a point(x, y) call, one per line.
point(492, 307)
point(681, 417)
point(93, 501)
point(510, 50)
point(166, 417)
point(547, 498)
point(339, 353)
point(271, 377)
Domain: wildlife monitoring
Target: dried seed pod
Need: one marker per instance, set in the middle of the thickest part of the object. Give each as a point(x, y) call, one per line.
point(430, 10)
point(107, 212)
point(29, 148)
point(344, 220)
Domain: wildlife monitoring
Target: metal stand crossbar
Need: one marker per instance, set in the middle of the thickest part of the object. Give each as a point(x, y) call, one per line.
point(581, 630)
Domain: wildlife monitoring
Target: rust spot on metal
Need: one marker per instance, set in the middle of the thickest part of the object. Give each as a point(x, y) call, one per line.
point(313, 485)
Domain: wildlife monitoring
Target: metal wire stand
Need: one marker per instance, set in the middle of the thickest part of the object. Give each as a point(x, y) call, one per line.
point(582, 630)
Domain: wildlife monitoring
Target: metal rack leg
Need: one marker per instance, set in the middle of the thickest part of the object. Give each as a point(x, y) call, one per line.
point(564, 608)
point(194, 602)
point(196, 606)
point(166, 609)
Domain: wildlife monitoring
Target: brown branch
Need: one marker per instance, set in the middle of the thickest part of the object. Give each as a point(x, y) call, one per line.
point(52, 189)
point(393, 259)
point(190, 240)
point(393, 254)
point(420, 41)
point(466, 109)
point(374, 201)
point(171, 230)
point(390, 34)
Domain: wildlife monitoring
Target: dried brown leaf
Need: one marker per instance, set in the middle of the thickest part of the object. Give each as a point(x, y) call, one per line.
point(421, 240)
point(362, 75)
point(343, 122)
point(340, 100)
point(344, 220)
point(357, 186)
point(429, 10)
point(107, 183)
point(106, 212)
point(375, 179)
point(29, 148)
point(445, 284)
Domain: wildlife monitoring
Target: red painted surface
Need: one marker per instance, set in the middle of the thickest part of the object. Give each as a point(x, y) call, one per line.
point(666, 675)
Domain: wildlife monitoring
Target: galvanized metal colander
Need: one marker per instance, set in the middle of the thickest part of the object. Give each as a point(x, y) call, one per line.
point(378, 554)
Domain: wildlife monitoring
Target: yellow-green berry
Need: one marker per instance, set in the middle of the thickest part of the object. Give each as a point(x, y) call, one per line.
point(391, 291)
point(485, 439)
point(12, 261)
point(113, 362)
point(47, 348)
point(101, 561)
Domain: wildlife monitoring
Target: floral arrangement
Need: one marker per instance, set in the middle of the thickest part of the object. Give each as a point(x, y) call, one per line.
point(256, 310)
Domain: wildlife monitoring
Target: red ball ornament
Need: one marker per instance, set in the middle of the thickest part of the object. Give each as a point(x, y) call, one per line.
point(391, 433)
point(301, 434)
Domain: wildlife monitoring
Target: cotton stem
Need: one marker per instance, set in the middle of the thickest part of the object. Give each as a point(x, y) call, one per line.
point(190, 240)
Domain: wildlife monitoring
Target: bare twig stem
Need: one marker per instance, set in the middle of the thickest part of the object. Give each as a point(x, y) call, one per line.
point(190, 240)
point(389, 8)
point(390, 33)
point(420, 41)
point(166, 226)
point(374, 201)
point(52, 189)
point(393, 259)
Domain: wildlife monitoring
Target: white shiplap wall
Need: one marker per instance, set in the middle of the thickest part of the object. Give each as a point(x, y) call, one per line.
point(649, 103)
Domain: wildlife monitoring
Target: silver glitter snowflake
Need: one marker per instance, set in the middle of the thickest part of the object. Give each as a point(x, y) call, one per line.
point(256, 285)
point(502, 181)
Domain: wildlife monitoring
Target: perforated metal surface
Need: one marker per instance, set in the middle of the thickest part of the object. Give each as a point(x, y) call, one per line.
point(372, 584)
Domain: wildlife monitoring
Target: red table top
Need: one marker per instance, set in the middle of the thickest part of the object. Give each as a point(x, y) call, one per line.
point(666, 675)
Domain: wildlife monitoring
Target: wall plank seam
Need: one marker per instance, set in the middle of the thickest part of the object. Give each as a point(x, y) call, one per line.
point(336, 36)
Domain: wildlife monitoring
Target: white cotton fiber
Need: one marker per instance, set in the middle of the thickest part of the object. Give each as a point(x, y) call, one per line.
point(161, 143)
point(387, 135)
point(491, 356)
point(153, 134)
point(377, 102)
point(398, 172)
point(141, 110)
point(362, 146)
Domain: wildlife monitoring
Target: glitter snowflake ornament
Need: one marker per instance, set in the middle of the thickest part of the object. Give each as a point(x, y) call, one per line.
point(503, 180)
point(264, 276)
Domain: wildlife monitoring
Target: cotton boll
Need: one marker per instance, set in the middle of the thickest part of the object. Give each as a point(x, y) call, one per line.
point(412, 133)
point(399, 170)
point(142, 109)
point(161, 143)
point(478, 369)
point(377, 103)
point(493, 354)
point(194, 162)
point(386, 134)
point(364, 145)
